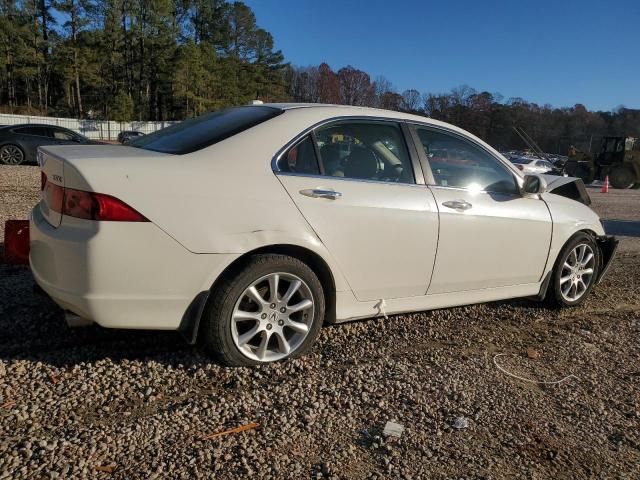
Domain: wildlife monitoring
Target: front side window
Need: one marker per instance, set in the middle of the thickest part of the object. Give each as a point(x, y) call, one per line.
point(62, 135)
point(456, 162)
point(365, 150)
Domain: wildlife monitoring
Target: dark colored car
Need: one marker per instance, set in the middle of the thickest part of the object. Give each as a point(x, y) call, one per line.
point(127, 136)
point(19, 143)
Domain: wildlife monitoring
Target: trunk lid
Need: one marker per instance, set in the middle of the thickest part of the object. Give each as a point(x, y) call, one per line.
point(106, 169)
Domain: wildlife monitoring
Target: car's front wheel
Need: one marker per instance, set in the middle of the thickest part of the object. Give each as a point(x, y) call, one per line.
point(271, 309)
point(575, 271)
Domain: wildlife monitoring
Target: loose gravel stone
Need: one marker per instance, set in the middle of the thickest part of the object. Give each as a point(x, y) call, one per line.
point(72, 400)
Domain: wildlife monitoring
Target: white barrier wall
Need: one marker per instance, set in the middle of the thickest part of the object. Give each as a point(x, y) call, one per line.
point(96, 129)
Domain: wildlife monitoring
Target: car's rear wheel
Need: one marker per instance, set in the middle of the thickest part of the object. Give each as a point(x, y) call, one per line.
point(271, 309)
point(11, 155)
point(575, 271)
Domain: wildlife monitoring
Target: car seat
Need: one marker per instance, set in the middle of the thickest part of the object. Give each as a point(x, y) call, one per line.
point(361, 163)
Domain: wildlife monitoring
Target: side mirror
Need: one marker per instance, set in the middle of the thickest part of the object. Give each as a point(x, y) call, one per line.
point(534, 184)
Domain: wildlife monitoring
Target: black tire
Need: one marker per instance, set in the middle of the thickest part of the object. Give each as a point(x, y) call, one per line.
point(554, 295)
point(11, 154)
point(622, 176)
point(581, 170)
point(216, 331)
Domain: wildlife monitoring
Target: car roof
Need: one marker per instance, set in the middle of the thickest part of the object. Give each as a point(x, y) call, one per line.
point(331, 110)
point(22, 125)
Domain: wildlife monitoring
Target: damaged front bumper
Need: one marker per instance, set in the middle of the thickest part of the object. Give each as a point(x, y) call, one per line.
point(608, 245)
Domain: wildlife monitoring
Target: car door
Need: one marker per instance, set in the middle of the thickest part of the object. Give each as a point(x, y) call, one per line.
point(355, 183)
point(32, 137)
point(490, 234)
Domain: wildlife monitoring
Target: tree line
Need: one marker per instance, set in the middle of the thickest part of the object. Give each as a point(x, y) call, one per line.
point(134, 59)
point(172, 59)
point(488, 115)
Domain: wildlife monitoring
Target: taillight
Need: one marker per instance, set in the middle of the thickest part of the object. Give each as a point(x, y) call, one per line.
point(88, 205)
point(114, 210)
point(79, 204)
point(98, 206)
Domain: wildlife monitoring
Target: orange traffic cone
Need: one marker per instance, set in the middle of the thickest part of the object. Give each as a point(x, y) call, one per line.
point(605, 185)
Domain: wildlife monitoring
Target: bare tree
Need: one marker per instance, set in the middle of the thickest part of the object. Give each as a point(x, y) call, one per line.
point(355, 87)
point(328, 84)
point(411, 100)
point(304, 85)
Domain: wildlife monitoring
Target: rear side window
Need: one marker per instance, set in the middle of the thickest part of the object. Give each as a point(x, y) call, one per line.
point(38, 131)
point(197, 133)
point(301, 158)
point(365, 150)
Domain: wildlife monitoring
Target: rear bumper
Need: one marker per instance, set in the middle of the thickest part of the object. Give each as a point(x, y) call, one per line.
point(119, 275)
point(608, 245)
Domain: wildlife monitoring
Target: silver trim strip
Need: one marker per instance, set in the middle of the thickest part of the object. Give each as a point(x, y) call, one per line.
point(363, 180)
point(409, 123)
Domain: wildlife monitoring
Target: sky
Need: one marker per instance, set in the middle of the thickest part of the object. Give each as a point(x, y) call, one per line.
point(558, 52)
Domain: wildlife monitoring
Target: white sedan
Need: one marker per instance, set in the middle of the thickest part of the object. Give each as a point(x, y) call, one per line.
point(248, 228)
point(532, 165)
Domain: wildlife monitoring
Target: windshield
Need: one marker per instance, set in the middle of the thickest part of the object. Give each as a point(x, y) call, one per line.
point(200, 132)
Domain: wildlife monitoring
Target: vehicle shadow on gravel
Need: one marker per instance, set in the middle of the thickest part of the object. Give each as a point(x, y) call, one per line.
point(32, 327)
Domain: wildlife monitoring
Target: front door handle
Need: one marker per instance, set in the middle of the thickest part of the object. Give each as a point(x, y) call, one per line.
point(321, 193)
point(458, 204)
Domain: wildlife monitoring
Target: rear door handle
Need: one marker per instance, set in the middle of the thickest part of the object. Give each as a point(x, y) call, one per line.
point(458, 204)
point(321, 193)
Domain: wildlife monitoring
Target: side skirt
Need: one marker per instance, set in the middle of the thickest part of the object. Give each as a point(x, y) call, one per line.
point(348, 308)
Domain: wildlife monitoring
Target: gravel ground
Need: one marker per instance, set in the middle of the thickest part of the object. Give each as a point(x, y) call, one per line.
point(93, 403)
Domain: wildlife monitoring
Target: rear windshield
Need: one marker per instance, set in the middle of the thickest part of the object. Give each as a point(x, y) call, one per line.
point(200, 132)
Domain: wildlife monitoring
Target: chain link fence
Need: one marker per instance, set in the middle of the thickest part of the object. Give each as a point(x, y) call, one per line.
point(94, 129)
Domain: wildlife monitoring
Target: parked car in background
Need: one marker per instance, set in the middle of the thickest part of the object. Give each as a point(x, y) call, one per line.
point(19, 143)
point(128, 135)
point(261, 223)
point(558, 160)
point(532, 165)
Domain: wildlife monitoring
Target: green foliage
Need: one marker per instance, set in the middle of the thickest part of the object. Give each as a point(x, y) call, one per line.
point(121, 108)
point(170, 58)
point(173, 59)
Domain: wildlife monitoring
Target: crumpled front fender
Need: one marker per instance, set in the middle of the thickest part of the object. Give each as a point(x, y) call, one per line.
point(608, 245)
point(570, 187)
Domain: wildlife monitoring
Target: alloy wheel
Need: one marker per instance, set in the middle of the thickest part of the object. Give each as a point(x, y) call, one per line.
point(272, 317)
point(577, 272)
point(11, 155)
